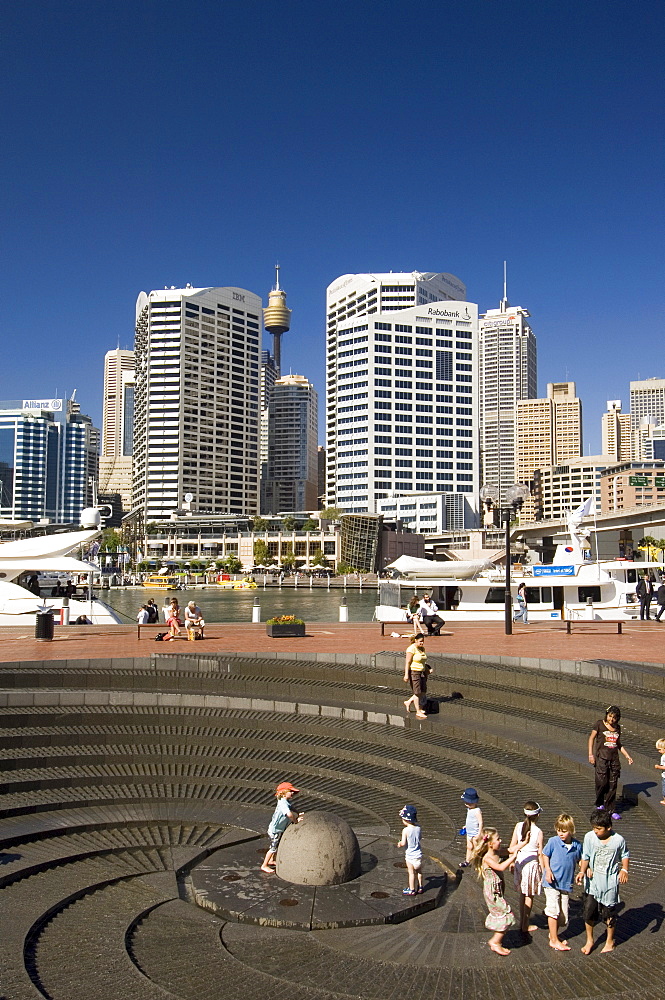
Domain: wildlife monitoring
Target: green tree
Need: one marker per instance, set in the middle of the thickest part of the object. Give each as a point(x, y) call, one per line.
point(231, 564)
point(110, 540)
point(331, 514)
point(660, 545)
point(288, 523)
point(319, 559)
point(344, 569)
point(260, 523)
point(646, 544)
point(310, 525)
point(288, 560)
point(260, 553)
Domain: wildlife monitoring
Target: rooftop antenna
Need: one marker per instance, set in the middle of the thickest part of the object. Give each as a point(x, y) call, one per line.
point(277, 277)
point(504, 300)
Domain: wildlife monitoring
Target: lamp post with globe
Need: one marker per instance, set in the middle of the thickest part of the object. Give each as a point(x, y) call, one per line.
point(514, 498)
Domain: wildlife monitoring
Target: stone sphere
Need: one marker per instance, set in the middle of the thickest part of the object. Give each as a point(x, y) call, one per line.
point(320, 850)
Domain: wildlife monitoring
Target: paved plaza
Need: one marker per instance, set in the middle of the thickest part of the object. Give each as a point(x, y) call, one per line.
point(137, 777)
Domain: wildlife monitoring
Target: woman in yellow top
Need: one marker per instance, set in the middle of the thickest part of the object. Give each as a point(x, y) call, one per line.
point(415, 673)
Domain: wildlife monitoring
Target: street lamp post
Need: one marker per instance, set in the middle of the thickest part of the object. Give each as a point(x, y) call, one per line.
point(515, 497)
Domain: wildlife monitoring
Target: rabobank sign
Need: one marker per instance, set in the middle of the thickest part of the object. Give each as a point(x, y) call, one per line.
point(449, 313)
point(42, 404)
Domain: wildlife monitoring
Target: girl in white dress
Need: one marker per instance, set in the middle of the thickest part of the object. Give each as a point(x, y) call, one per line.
point(527, 871)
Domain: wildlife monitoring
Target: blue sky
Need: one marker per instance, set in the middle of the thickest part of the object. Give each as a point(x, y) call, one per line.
point(155, 143)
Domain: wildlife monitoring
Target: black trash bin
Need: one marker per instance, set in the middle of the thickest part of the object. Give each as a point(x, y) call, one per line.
point(44, 625)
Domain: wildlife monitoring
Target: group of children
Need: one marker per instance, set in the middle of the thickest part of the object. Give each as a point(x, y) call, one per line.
point(603, 865)
point(603, 860)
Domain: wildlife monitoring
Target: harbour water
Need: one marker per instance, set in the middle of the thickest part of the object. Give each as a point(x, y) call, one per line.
point(316, 605)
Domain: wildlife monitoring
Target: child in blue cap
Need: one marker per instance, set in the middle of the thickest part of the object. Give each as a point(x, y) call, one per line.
point(413, 854)
point(473, 828)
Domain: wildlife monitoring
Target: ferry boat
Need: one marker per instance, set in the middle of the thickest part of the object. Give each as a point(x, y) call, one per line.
point(29, 558)
point(571, 587)
point(159, 581)
point(236, 584)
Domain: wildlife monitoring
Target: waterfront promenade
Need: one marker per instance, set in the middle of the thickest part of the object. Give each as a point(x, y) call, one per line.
point(640, 642)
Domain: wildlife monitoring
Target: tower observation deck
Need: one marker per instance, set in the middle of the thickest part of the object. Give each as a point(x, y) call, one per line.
point(277, 318)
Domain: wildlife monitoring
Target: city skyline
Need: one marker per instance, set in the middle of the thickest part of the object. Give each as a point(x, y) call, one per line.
point(209, 164)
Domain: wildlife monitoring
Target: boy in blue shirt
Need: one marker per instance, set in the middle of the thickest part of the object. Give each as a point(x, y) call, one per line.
point(282, 816)
point(559, 860)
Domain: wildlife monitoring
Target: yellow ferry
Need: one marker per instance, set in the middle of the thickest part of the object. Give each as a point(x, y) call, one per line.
point(161, 582)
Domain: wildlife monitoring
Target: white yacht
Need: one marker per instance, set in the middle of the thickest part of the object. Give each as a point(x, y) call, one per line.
point(49, 554)
point(571, 587)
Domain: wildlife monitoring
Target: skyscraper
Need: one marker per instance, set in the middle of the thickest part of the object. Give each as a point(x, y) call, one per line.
point(647, 411)
point(401, 388)
point(267, 379)
point(115, 465)
point(196, 420)
point(291, 480)
point(616, 432)
point(549, 432)
point(48, 460)
point(507, 372)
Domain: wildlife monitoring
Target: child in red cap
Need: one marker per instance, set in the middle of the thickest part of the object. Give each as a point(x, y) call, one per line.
point(282, 816)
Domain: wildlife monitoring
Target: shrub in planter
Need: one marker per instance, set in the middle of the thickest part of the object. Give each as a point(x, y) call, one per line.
point(285, 626)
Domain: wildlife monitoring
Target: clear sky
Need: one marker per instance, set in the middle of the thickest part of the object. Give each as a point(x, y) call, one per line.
point(157, 143)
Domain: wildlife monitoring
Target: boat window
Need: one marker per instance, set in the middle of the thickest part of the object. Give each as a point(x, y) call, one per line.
point(631, 576)
point(538, 595)
point(495, 595)
point(584, 593)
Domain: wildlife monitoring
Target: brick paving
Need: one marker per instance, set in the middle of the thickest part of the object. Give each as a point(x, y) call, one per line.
point(641, 642)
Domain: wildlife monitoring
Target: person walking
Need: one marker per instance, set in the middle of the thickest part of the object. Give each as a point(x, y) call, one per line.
point(415, 674)
point(522, 614)
point(660, 747)
point(604, 748)
point(660, 598)
point(490, 868)
point(604, 866)
point(528, 876)
point(413, 855)
point(644, 591)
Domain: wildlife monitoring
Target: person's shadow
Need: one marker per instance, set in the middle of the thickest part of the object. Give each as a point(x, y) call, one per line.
point(639, 920)
point(630, 793)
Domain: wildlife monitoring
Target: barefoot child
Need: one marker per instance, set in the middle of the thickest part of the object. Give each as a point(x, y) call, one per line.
point(527, 862)
point(413, 854)
point(282, 816)
point(559, 860)
point(474, 823)
point(604, 865)
point(490, 868)
point(660, 747)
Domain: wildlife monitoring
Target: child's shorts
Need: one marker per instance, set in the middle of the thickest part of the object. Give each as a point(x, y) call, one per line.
point(556, 902)
point(275, 839)
point(593, 911)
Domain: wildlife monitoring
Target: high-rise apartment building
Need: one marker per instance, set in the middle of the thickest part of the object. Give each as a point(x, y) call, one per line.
point(48, 460)
point(549, 433)
point(616, 432)
point(401, 388)
point(196, 419)
point(115, 465)
point(267, 379)
point(291, 479)
point(647, 412)
point(507, 372)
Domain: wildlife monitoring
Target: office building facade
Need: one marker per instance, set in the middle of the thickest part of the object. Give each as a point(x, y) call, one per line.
point(549, 433)
point(196, 420)
point(291, 476)
point(115, 464)
point(616, 432)
point(507, 373)
point(561, 489)
point(48, 460)
point(401, 389)
point(647, 402)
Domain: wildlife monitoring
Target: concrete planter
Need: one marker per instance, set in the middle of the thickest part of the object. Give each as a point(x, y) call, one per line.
point(286, 630)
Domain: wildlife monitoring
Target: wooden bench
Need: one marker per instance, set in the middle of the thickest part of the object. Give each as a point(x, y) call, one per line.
point(598, 621)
